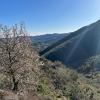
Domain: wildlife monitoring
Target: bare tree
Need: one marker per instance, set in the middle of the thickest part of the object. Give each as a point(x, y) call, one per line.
point(13, 52)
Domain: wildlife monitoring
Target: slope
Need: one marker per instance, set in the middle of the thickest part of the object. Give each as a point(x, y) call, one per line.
point(75, 48)
point(43, 41)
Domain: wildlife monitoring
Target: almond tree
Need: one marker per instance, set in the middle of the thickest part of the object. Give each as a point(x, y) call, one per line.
point(13, 46)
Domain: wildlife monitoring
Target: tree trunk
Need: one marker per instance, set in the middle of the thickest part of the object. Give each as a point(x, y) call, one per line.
point(15, 83)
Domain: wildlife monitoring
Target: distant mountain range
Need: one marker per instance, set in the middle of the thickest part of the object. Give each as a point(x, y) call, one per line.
point(43, 41)
point(77, 47)
point(48, 37)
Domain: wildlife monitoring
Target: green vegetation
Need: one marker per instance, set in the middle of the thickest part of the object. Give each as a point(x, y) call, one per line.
point(36, 78)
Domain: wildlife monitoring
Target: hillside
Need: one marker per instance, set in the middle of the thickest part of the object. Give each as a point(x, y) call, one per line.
point(24, 75)
point(77, 47)
point(50, 81)
point(43, 41)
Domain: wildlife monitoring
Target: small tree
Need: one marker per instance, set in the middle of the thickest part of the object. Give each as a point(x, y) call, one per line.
point(13, 45)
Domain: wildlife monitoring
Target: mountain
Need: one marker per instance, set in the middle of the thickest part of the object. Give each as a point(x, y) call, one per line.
point(77, 47)
point(24, 75)
point(43, 41)
point(48, 37)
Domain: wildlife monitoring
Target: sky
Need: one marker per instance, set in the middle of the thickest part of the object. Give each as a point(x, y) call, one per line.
point(49, 16)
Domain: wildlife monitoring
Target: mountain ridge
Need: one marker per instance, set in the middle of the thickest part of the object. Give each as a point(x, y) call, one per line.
point(76, 47)
point(43, 41)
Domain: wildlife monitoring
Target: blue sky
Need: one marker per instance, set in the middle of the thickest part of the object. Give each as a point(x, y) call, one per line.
point(49, 16)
